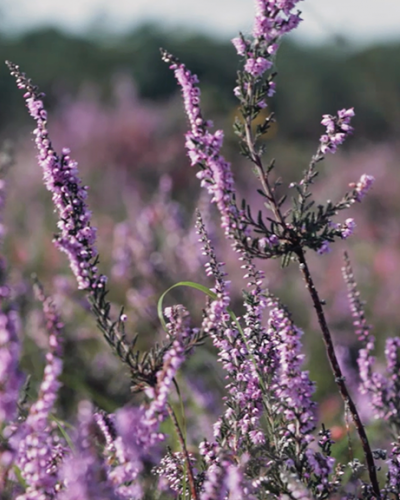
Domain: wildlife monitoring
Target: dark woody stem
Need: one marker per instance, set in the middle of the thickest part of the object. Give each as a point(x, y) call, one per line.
point(192, 484)
point(339, 378)
point(255, 158)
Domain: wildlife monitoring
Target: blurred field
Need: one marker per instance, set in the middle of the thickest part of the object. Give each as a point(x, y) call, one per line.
point(115, 105)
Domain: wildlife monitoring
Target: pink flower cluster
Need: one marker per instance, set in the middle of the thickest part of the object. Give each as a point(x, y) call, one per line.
point(337, 129)
point(273, 19)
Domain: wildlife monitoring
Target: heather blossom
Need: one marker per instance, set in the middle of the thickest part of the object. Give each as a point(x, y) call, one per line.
point(10, 375)
point(40, 449)
point(244, 391)
point(178, 329)
point(273, 19)
point(348, 228)
point(393, 462)
point(264, 443)
point(77, 237)
point(337, 129)
point(204, 149)
point(171, 469)
point(307, 229)
point(84, 472)
point(373, 383)
point(257, 66)
point(123, 453)
point(225, 479)
point(363, 186)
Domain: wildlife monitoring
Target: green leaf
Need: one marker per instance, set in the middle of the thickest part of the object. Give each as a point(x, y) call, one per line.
point(189, 284)
point(18, 475)
point(60, 425)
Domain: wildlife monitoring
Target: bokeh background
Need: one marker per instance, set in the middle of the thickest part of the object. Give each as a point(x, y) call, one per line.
point(116, 105)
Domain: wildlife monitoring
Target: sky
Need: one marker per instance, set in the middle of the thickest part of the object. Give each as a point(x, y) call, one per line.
point(359, 21)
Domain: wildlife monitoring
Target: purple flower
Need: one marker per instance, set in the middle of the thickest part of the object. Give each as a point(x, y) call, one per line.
point(10, 375)
point(137, 435)
point(258, 66)
point(123, 453)
point(178, 329)
point(392, 351)
point(394, 468)
point(337, 129)
point(363, 186)
point(240, 45)
point(204, 149)
point(273, 19)
point(348, 228)
point(39, 450)
point(84, 473)
point(246, 357)
point(172, 469)
point(77, 237)
point(372, 383)
point(324, 248)
point(213, 487)
point(294, 388)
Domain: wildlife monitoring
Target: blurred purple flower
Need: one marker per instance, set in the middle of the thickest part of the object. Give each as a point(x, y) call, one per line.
point(40, 449)
point(363, 186)
point(324, 248)
point(10, 375)
point(84, 472)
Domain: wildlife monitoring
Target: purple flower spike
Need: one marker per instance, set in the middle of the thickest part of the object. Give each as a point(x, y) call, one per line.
point(372, 383)
point(171, 470)
point(225, 480)
point(294, 387)
point(363, 186)
point(84, 472)
point(274, 18)
point(337, 129)
point(179, 330)
point(60, 173)
point(123, 453)
point(10, 374)
point(240, 45)
point(204, 149)
point(40, 449)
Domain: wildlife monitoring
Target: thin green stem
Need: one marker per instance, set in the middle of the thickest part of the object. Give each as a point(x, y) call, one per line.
point(192, 484)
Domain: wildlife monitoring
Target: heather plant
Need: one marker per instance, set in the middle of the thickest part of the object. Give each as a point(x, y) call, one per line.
point(267, 441)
